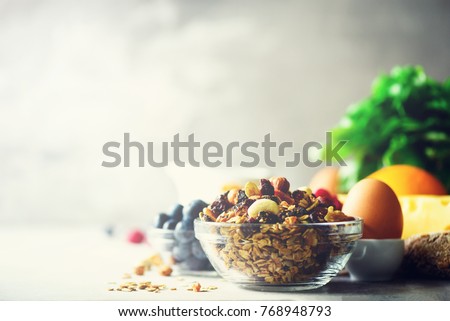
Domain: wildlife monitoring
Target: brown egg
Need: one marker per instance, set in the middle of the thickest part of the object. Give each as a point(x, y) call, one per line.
point(326, 178)
point(376, 203)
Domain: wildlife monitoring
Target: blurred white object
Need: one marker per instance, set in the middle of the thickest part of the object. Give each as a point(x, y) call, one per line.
point(376, 260)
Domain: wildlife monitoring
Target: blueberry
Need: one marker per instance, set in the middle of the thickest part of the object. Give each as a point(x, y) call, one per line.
point(194, 264)
point(109, 230)
point(182, 234)
point(188, 225)
point(166, 245)
point(170, 224)
point(197, 250)
point(176, 212)
point(191, 212)
point(181, 252)
point(160, 220)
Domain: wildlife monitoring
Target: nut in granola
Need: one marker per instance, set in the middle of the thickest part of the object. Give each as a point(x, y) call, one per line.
point(280, 183)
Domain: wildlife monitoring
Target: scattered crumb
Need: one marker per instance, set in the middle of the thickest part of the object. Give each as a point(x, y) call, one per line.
point(128, 290)
point(155, 260)
point(144, 285)
point(146, 264)
point(133, 287)
point(148, 286)
point(165, 270)
point(196, 287)
point(139, 270)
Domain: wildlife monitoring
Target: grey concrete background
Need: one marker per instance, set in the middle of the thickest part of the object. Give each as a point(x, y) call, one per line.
point(76, 74)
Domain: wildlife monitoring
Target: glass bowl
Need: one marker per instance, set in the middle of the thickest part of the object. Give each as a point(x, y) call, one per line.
point(181, 251)
point(278, 257)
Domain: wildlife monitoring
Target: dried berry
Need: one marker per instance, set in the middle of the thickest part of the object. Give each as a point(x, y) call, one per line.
point(301, 211)
point(266, 187)
point(249, 229)
point(297, 195)
point(268, 218)
point(315, 217)
point(220, 205)
point(274, 198)
point(248, 202)
point(241, 196)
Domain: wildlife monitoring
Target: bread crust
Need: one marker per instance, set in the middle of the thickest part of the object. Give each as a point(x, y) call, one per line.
point(428, 255)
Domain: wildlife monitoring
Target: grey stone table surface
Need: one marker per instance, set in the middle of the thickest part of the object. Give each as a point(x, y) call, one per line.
point(342, 288)
point(81, 263)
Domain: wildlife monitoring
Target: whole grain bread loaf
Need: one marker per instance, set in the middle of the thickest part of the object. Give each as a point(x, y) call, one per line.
point(428, 255)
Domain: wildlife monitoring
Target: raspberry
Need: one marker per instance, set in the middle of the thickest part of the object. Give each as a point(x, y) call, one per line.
point(327, 198)
point(136, 236)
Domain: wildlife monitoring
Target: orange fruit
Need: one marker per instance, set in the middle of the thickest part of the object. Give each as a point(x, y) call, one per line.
point(409, 180)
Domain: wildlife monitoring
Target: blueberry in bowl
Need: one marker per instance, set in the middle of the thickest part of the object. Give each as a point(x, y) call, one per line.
point(160, 220)
point(172, 235)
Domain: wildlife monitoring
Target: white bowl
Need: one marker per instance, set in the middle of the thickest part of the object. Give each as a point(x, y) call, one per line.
point(375, 260)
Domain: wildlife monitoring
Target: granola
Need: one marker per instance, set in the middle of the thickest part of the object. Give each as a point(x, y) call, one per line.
point(283, 246)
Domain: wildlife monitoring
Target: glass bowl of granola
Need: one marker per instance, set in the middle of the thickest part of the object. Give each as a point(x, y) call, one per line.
point(271, 239)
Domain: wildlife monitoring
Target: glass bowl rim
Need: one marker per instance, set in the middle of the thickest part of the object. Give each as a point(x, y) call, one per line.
point(357, 221)
point(157, 232)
